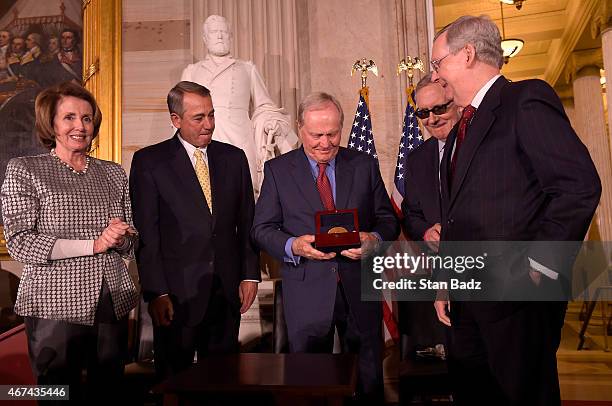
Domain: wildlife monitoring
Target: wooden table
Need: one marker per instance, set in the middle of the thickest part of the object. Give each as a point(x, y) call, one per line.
point(283, 376)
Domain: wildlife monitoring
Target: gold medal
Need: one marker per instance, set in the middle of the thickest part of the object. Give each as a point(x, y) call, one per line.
point(336, 230)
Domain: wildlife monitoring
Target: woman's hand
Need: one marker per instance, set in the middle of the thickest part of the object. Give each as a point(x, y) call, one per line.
point(113, 236)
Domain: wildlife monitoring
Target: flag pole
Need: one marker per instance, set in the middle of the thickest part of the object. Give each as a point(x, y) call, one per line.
point(408, 65)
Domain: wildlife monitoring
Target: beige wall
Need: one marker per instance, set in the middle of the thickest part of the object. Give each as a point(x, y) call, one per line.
point(338, 35)
point(331, 35)
point(156, 48)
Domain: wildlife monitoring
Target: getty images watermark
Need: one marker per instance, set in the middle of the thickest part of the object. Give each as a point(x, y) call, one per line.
point(485, 270)
point(412, 264)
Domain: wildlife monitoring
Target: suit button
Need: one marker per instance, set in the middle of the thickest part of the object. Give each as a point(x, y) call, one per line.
point(214, 235)
point(211, 263)
point(333, 269)
point(451, 221)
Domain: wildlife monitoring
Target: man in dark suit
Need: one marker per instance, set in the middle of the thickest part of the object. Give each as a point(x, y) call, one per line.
point(513, 170)
point(322, 290)
point(193, 208)
point(421, 205)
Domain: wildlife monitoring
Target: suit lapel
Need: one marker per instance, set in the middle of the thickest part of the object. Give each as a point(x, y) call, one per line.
point(304, 181)
point(216, 165)
point(344, 179)
point(185, 174)
point(476, 133)
point(435, 168)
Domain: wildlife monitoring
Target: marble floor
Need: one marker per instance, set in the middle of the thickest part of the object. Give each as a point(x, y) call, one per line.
point(585, 376)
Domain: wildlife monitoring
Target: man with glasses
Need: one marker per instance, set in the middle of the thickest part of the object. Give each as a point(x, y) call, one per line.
point(513, 170)
point(421, 206)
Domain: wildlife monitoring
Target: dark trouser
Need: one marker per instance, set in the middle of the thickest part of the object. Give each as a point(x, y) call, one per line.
point(505, 353)
point(367, 344)
point(217, 333)
point(59, 351)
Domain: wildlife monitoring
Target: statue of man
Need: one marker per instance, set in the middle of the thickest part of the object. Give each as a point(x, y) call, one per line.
point(237, 86)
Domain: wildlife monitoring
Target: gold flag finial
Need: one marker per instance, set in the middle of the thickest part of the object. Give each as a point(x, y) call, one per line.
point(409, 65)
point(364, 66)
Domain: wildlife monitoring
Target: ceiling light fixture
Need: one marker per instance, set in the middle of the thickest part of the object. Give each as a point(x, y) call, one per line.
point(510, 46)
point(517, 3)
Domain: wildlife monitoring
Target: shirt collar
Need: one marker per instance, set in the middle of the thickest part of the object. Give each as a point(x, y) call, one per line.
point(483, 91)
point(189, 147)
point(441, 146)
point(315, 168)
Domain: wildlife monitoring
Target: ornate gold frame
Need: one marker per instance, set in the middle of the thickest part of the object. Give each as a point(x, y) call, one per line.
point(101, 76)
point(102, 70)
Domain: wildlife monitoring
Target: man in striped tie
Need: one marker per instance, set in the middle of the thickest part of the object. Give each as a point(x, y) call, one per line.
point(322, 291)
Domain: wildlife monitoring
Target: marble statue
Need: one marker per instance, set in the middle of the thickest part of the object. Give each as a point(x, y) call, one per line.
point(246, 116)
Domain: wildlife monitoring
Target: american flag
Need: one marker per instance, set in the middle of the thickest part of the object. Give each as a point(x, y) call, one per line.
point(362, 137)
point(411, 139)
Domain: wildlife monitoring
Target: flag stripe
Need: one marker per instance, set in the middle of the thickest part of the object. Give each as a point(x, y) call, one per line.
point(362, 140)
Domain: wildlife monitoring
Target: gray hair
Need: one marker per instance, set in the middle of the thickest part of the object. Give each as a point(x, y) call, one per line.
point(316, 101)
point(175, 96)
point(425, 81)
point(215, 17)
point(481, 32)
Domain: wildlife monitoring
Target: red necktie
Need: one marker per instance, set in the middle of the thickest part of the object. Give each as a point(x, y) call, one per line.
point(324, 188)
point(466, 117)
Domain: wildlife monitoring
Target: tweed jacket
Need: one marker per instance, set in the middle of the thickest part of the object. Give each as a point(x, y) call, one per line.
point(42, 201)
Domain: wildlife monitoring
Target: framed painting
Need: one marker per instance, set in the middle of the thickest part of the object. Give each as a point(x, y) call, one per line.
point(47, 42)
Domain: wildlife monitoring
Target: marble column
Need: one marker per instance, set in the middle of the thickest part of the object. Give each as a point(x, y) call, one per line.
point(601, 25)
point(566, 94)
point(591, 127)
point(570, 110)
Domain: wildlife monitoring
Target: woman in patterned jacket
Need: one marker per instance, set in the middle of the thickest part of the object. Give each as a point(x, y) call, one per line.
point(67, 217)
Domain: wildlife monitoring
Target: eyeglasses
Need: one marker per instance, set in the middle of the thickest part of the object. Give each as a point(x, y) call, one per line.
point(437, 110)
point(435, 63)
